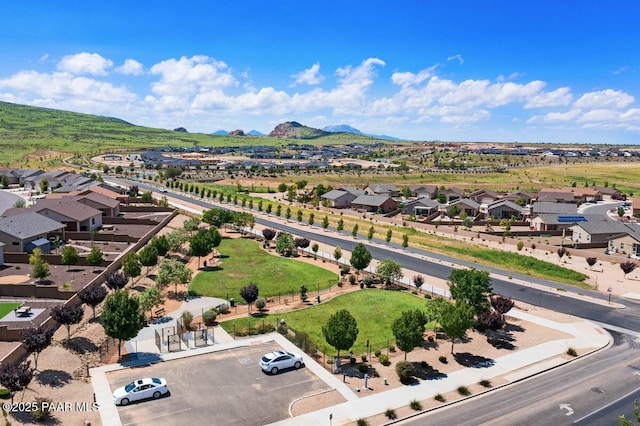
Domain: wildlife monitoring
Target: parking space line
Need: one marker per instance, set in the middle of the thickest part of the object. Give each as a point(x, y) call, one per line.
point(292, 384)
point(158, 416)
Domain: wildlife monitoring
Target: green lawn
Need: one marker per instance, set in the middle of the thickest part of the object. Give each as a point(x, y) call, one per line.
point(243, 261)
point(6, 307)
point(374, 310)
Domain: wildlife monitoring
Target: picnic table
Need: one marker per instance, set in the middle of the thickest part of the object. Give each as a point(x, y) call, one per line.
point(23, 310)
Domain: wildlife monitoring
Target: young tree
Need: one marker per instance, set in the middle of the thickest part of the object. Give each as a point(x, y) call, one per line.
point(148, 256)
point(340, 330)
point(37, 339)
point(117, 280)
point(67, 315)
point(131, 265)
point(388, 236)
point(200, 244)
point(354, 230)
point(591, 261)
point(471, 286)
point(312, 218)
point(360, 258)
point(150, 298)
point(40, 268)
point(501, 304)
point(371, 233)
point(302, 242)
point(455, 320)
point(268, 234)
point(121, 317)
point(405, 241)
point(285, 244)
point(491, 320)
point(217, 217)
point(315, 247)
point(433, 311)
point(337, 254)
point(325, 222)
point(278, 210)
point(287, 213)
point(175, 240)
point(16, 377)
point(299, 215)
point(243, 220)
point(627, 267)
point(408, 330)
point(389, 271)
point(249, 293)
point(69, 256)
point(95, 257)
point(340, 225)
point(161, 244)
point(418, 281)
point(191, 225)
point(93, 296)
point(173, 272)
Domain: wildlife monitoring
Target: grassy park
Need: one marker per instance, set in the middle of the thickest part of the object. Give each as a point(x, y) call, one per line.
point(6, 307)
point(243, 261)
point(374, 310)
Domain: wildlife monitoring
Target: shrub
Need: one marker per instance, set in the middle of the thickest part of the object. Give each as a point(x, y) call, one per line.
point(463, 390)
point(368, 281)
point(209, 317)
point(427, 296)
point(187, 318)
point(485, 383)
point(5, 393)
point(572, 352)
point(261, 303)
point(439, 398)
point(392, 348)
point(265, 327)
point(363, 368)
point(405, 371)
point(362, 422)
point(415, 405)
point(384, 360)
point(377, 354)
point(391, 414)
point(223, 308)
point(363, 358)
point(42, 409)
point(520, 245)
point(352, 279)
point(442, 359)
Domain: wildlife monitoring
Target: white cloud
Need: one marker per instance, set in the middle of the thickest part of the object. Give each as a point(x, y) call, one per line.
point(310, 76)
point(85, 63)
point(558, 97)
point(458, 57)
point(410, 79)
point(604, 99)
point(620, 70)
point(130, 67)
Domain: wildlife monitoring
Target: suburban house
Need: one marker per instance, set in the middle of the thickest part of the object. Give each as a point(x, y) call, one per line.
point(628, 243)
point(421, 191)
point(556, 196)
point(542, 207)
point(466, 206)
point(374, 203)
point(423, 206)
point(451, 194)
point(635, 207)
point(504, 209)
point(342, 198)
point(107, 191)
point(28, 230)
point(76, 216)
point(519, 195)
point(53, 179)
point(108, 206)
point(597, 229)
point(608, 193)
point(584, 195)
point(484, 196)
point(387, 190)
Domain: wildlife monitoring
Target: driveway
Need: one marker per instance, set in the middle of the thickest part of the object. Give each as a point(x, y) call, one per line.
point(226, 387)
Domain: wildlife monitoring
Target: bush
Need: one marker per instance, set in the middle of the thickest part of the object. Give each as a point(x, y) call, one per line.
point(209, 317)
point(5, 393)
point(223, 308)
point(363, 358)
point(352, 279)
point(464, 391)
point(572, 352)
point(266, 327)
point(384, 360)
point(520, 245)
point(439, 398)
point(261, 303)
point(362, 422)
point(415, 405)
point(427, 296)
point(485, 383)
point(405, 371)
point(391, 414)
point(363, 368)
point(442, 359)
point(187, 318)
point(392, 348)
point(42, 413)
point(368, 281)
point(377, 354)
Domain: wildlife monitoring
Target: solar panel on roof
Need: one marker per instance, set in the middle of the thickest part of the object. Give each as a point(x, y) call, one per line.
point(571, 218)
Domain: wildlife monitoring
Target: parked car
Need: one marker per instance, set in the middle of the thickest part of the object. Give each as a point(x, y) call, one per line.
point(280, 360)
point(151, 387)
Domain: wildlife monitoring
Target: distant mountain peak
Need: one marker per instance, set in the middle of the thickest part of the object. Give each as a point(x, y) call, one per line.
point(342, 128)
point(295, 130)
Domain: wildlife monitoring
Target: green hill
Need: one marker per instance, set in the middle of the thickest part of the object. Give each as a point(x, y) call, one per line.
point(33, 131)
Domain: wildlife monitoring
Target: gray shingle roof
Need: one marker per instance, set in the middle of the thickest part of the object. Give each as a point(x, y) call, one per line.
point(28, 224)
point(69, 208)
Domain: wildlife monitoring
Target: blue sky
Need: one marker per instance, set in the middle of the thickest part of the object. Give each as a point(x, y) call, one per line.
point(503, 71)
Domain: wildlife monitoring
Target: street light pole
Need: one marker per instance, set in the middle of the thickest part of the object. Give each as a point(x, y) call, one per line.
point(609, 290)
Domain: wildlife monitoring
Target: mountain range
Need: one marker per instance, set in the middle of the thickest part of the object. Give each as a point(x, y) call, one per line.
point(295, 130)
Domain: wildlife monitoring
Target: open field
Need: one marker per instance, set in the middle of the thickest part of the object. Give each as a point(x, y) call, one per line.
point(243, 261)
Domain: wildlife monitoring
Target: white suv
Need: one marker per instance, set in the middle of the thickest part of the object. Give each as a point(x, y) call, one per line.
point(279, 360)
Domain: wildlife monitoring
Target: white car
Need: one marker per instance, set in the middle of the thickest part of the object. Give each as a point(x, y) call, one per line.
point(151, 387)
point(280, 360)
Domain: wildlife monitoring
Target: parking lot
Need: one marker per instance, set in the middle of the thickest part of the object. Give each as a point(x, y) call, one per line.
point(226, 387)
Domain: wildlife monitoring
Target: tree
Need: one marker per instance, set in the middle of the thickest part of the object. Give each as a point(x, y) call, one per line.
point(340, 330)
point(131, 265)
point(627, 267)
point(243, 220)
point(44, 186)
point(433, 311)
point(337, 254)
point(299, 215)
point(620, 211)
point(282, 187)
point(93, 296)
point(405, 241)
point(408, 330)
point(370, 233)
point(314, 248)
point(285, 244)
point(360, 257)
point(40, 268)
point(471, 286)
point(37, 339)
point(148, 256)
point(455, 320)
point(217, 217)
point(388, 236)
point(389, 271)
point(191, 225)
point(175, 239)
point(278, 210)
point(501, 304)
point(491, 320)
point(95, 257)
point(354, 231)
point(591, 261)
point(16, 377)
point(268, 234)
point(117, 280)
point(287, 213)
point(312, 218)
point(636, 413)
point(249, 293)
point(67, 315)
point(150, 298)
point(302, 242)
point(121, 317)
point(200, 244)
point(561, 252)
point(161, 244)
point(340, 225)
point(69, 256)
point(173, 272)
point(325, 222)
point(418, 281)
